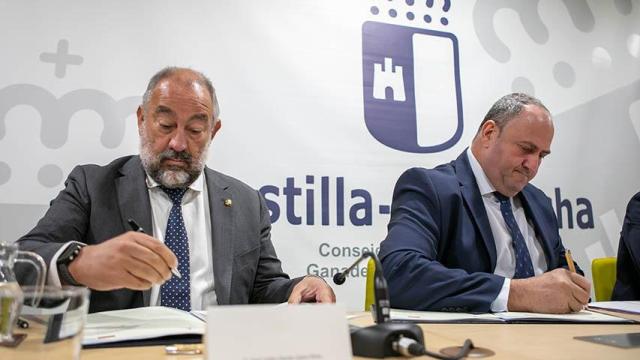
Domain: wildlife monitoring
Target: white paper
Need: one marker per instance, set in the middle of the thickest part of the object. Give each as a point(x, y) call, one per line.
point(260, 332)
point(581, 316)
point(139, 323)
point(436, 317)
point(631, 307)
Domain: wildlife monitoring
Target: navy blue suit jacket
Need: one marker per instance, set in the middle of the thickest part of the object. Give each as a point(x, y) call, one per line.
point(628, 269)
point(439, 253)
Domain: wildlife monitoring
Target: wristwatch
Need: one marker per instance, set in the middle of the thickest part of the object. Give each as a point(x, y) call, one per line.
point(67, 256)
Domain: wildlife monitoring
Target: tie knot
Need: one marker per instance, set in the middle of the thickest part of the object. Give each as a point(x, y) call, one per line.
point(500, 197)
point(175, 194)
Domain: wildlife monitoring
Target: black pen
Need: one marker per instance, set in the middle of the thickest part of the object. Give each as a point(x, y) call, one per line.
point(135, 227)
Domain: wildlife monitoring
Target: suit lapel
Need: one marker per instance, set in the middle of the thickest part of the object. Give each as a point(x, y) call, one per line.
point(133, 200)
point(222, 218)
point(473, 199)
point(542, 231)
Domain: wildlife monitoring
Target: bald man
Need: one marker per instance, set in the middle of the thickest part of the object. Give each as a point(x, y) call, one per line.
point(120, 229)
point(474, 235)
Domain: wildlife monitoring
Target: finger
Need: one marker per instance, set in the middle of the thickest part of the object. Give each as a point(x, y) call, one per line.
point(581, 281)
point(133, 282)
point(142, 270)
point(580, 295)
point(575, 305)
point(295, 297)
point(134, 251)
point(157, 247)
point(326, 296)
point(152, 259)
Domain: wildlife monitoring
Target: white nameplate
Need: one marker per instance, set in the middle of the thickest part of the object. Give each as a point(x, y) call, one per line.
point(293, 332)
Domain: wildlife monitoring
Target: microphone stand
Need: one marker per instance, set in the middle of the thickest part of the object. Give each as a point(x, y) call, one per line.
point(378, 340)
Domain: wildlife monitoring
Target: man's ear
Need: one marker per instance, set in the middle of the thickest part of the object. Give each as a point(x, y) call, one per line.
point(489, 131)
point(140, 114)
point(217, 124)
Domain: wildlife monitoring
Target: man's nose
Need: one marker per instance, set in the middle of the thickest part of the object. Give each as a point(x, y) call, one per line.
point(531, 163)
point(178, 141)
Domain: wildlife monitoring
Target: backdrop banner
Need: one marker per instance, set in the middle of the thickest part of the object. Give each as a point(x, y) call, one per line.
point(325, 103)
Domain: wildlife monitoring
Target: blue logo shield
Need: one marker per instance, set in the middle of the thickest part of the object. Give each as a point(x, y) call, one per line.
point(411, 84)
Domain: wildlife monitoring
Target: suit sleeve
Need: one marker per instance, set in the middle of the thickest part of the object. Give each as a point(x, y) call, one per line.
point(627, 285)
point(271, 284)
point(66, 220)
point(412, 252)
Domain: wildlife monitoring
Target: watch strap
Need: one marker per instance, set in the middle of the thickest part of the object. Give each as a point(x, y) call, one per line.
point(68, 255)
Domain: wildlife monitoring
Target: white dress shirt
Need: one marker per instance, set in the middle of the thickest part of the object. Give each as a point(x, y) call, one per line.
point(197, 221)
point(506, 259)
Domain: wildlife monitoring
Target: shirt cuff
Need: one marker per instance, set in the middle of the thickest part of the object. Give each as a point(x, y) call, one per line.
point(52, 275)
point(500, 303)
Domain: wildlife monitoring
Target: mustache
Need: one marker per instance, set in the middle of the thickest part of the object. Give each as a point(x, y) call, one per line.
point(172, 154)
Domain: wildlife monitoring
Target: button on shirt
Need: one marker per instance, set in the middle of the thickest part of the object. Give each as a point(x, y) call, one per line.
point(197, 220)
point(506, 259)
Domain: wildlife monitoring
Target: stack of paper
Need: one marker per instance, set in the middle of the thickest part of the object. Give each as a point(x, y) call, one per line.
point(629, 307)
point(139, 324)
point(583, 316)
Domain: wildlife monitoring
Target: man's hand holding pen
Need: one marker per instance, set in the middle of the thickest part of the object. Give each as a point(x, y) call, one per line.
point(557, 292)
point(132, 260)
point(135, 227)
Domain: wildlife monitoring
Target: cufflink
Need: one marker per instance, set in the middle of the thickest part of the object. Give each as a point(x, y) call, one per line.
point(228, 202)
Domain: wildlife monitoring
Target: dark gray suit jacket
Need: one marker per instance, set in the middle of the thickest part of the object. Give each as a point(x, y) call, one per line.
point(98, 200)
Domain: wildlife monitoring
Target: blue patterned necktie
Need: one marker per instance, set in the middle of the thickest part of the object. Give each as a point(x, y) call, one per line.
point(524, 267)
point(176, 292)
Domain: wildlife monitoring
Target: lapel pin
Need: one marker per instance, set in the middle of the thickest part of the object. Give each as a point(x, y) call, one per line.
point(228, 202)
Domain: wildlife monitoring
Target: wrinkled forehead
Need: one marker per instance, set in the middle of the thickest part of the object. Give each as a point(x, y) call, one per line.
point(183, 98)
point(182, 85)
point(531, 117)
point(532, 125)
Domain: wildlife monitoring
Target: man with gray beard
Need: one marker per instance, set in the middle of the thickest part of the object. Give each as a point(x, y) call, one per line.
point(161, 228)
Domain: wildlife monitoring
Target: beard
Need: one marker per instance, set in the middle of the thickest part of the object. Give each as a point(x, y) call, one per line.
point(171, 176)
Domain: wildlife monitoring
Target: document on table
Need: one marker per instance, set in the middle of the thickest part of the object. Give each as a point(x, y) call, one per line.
point(583, 316)
point(142, 323)
point(629, 307)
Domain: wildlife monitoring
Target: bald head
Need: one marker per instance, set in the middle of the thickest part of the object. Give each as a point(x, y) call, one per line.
point(508, 107)
point(186, 76)
point(512, 140)
point(176, 122)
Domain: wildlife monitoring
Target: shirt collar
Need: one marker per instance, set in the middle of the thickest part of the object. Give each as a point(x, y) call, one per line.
point(197, 185)
point(484, 185)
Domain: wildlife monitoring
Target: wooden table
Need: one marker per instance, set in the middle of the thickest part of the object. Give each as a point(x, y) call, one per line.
point(526, 341)
point(508, 341)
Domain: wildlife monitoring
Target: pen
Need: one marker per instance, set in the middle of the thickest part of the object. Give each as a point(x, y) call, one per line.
point(567, 255)
point(183, 349)
point(135, 227)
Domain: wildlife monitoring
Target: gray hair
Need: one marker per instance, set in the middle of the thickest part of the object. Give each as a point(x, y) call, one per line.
point(170, 70)
point(508, 107)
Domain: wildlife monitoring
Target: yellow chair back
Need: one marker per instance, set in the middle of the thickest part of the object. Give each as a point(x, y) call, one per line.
point(603, 271)
point(369, 295)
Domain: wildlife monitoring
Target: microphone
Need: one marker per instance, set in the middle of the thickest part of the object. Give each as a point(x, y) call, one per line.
point(382, 339)
point(381, 304)
point(340, 278)
point(387, 338)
